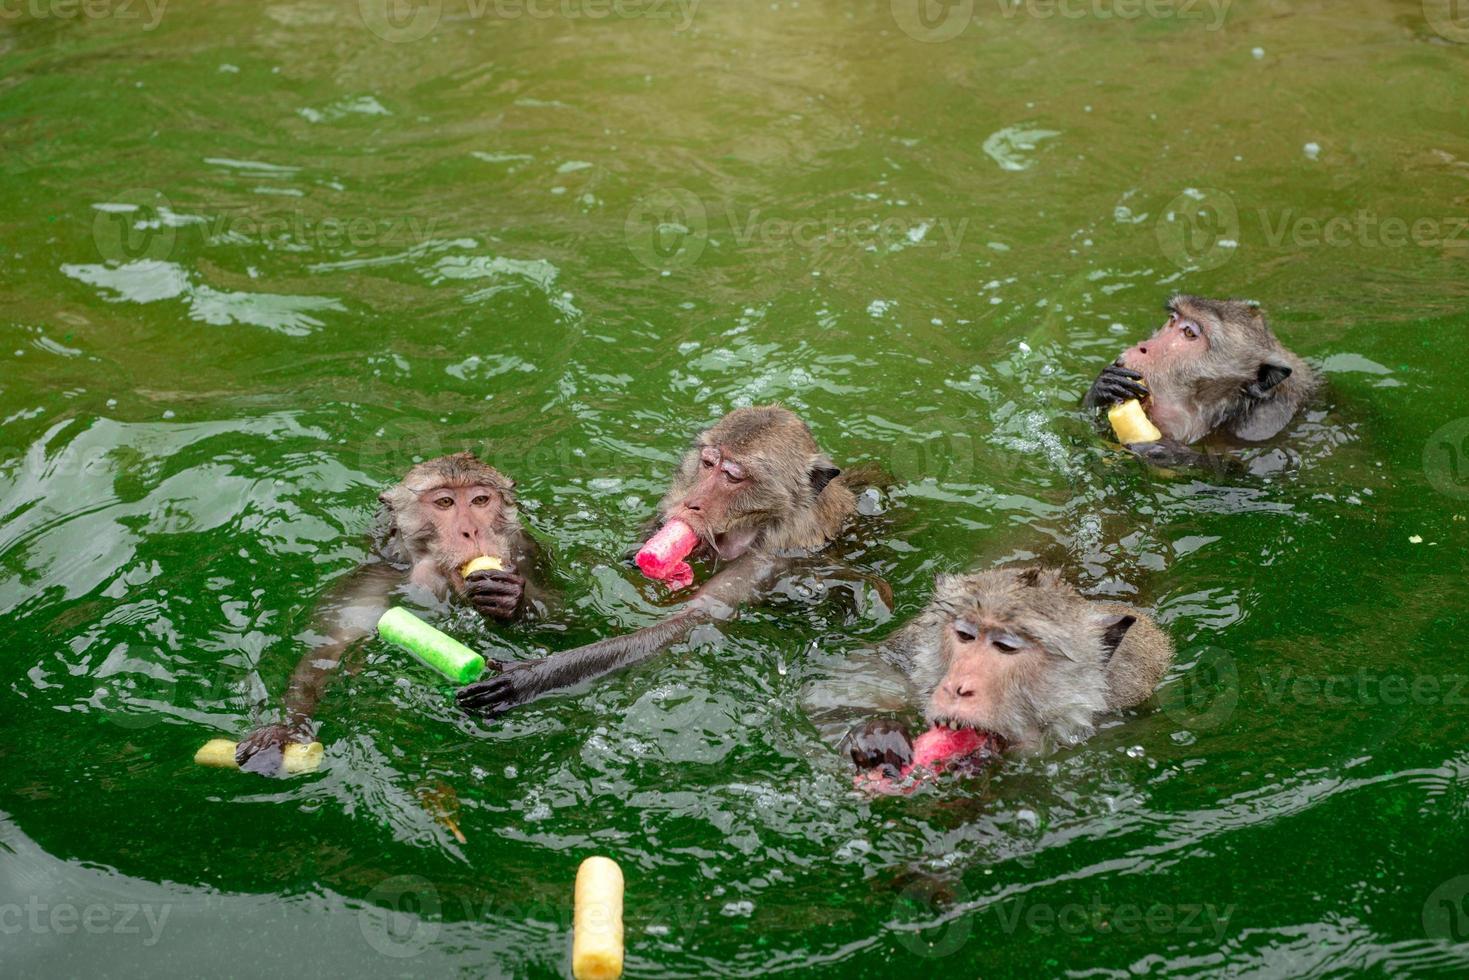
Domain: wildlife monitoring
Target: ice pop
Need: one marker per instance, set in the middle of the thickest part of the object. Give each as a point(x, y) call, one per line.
point(662, 557)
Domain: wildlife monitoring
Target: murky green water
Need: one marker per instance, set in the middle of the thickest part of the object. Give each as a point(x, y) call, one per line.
point(259, 257)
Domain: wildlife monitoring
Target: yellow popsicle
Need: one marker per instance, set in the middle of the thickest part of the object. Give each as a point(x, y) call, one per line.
point(480, 564)
point(1132, 424)
point(296, 758)
point(596, 929)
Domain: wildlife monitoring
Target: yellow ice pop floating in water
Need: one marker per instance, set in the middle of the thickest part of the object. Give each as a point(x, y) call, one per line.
point(1132, 424)
point(295, 758)
point(482, 564)
point(596, 921)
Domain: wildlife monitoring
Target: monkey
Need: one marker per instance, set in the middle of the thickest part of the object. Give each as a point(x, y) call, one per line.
point(1016, 653)
point(1214, 365)
point(443, 513)
point(760, 495)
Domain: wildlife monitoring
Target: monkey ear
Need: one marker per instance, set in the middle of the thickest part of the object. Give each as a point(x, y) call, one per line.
point(1267, 377)
point(822, 473)
point(1114, 628)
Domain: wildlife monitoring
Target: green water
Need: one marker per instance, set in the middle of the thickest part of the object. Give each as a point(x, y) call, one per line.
point(258, 258)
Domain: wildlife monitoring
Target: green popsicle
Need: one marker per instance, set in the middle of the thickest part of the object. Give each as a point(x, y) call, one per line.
point(439, 650)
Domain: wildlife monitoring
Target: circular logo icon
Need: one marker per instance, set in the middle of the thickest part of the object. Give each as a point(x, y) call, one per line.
point(932, 21)
point(1203, 698)
point(667, 229)
point(400, 21)
point(1446, 459)
point(1446, 913)
point(1199, 229)
point(137, 224)
point(1449, 18)
point(400, 916)
point(922, 901)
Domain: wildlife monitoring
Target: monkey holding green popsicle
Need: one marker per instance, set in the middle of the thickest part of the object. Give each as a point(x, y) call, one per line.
point(449, 527)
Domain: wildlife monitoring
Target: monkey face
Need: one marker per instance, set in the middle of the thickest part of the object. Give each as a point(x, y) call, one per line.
point(445, 512)
point(987, 666)
point(754, 479)
point(1183, 338)
point(1017, 653)
point(721, 496)
point(467, 521)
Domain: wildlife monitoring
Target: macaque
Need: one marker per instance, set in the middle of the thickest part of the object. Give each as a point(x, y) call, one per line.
point(758, 494)
point(1015, 653)
point(444, 513)
point(1213, 366)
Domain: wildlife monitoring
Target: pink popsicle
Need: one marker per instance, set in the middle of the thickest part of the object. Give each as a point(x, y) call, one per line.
point(932, 750)
point(662, 556)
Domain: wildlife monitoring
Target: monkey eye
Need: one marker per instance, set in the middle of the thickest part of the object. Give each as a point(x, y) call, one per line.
point(966, 631)
point(735, 472)
point(481, 501)
point(444, 503)
point(1190, 330)
point(708, 458)
point(1006, 642)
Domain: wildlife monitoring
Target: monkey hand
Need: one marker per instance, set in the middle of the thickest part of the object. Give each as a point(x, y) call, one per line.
point(498, 694)
point(882, 744)
point(263, 750)
point(1115, 385)
point(495, 593)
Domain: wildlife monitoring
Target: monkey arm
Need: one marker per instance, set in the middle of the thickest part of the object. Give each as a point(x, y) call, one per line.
point(347, 613)
point(527, 680)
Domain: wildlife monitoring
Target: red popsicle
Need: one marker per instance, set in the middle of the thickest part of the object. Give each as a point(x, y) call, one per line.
point(662, 557)
point(932, 750)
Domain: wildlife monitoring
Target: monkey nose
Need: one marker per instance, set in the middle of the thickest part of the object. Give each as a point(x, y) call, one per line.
point(1141, 349)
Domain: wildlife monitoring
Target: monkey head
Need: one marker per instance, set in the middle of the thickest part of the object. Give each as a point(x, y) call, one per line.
point(445, 512)
point(757, 479)
point(1217, 363)
point(1018, 653)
